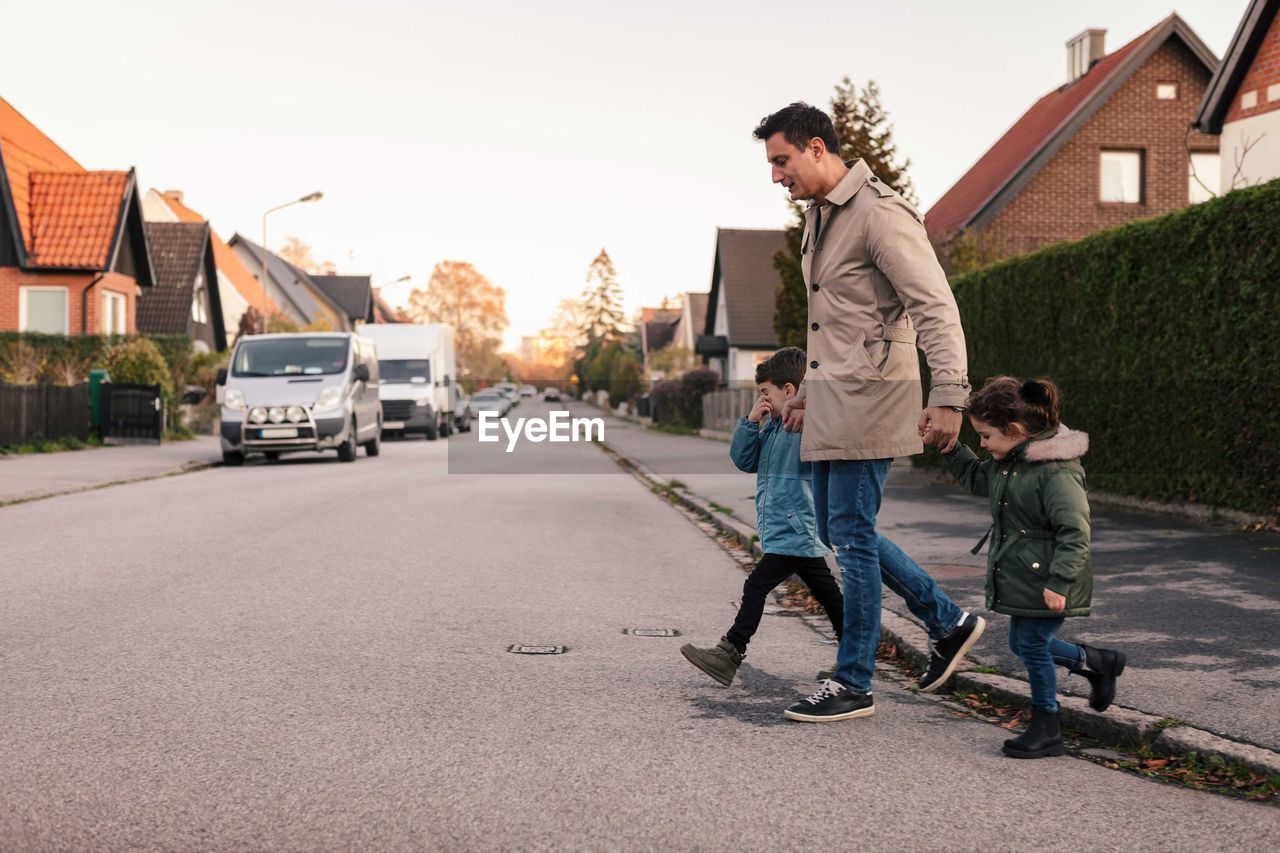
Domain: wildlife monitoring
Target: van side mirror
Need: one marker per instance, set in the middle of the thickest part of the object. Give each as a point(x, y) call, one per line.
point(222, 376)
point(361, 372)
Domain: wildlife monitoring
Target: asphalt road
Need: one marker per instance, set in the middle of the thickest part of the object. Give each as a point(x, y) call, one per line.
point(313, 656)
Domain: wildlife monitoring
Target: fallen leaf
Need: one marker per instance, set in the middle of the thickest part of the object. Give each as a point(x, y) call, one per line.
point(1153, 763)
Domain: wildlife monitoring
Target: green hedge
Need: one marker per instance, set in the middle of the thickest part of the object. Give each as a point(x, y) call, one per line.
point(29, 358)
point(1164, 336)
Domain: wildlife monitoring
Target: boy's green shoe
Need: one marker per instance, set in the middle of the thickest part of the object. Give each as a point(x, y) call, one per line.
point(721, 661)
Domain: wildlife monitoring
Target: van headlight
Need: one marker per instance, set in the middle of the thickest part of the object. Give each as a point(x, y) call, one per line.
point(276, 414)
point(258, 415)
point(328, 399)
point(296, 414)
point(233, 398)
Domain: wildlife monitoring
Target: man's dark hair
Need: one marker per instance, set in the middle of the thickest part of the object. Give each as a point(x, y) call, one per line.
point(799, 123)
point(785, 365)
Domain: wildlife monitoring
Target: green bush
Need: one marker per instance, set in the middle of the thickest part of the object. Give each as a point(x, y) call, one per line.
point(1164, 336)
point(138, 361)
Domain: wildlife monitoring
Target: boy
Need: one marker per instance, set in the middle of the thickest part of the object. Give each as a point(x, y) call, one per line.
point(784, 516)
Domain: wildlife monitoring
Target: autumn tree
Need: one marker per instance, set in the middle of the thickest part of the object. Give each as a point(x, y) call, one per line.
point(460, 296)
point(863, 128)
point(299, 254)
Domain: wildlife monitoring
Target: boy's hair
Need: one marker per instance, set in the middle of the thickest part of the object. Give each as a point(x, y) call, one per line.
point(799, 123)
point(785, 365)
point(1005, 400)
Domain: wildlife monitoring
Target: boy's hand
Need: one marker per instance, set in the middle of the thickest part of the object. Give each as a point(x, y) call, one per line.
point(1056, 603)
point(793, 414)
point(760, 410)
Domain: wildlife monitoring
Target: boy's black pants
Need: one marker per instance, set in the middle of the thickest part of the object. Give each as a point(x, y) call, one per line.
point(772, 570)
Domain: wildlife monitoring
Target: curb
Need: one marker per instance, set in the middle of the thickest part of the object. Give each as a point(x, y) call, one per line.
point(1116, 725)
point(185, 468)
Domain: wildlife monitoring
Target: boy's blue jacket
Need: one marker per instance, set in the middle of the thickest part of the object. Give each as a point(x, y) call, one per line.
point(784, 487)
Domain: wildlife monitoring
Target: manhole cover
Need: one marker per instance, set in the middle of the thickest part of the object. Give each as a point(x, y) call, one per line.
point(651, 632)
point(537, 650)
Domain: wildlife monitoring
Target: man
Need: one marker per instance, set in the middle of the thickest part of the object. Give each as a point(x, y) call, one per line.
point(875, 288)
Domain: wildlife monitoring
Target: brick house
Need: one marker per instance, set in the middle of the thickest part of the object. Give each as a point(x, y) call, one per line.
point(1242, 104)
point(1109, 146)
point(73, 250)
point(738, 330)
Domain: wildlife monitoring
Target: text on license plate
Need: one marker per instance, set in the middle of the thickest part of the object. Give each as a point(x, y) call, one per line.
point(282, 432)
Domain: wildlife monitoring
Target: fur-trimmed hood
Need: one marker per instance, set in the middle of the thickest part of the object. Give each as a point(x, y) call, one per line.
point(1062, 446)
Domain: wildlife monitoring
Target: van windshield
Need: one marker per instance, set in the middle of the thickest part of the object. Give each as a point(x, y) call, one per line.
point(290, 357)
point(405, 370)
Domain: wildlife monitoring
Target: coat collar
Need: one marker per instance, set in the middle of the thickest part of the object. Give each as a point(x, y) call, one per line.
point(854, 180)
point(1060, 444)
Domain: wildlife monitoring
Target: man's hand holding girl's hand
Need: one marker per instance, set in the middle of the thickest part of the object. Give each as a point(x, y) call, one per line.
point(760, 410)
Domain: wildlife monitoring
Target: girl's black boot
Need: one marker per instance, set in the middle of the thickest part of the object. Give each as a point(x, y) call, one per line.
point(1102, 668)
point(1042, 738)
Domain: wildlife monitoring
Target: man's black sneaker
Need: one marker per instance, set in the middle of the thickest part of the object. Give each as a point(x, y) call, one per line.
point(833, 701)
point(946, 654)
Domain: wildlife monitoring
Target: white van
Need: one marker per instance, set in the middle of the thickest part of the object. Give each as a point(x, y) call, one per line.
point(418, 377)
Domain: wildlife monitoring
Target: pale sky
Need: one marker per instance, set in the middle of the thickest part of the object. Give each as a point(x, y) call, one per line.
point(520, 136)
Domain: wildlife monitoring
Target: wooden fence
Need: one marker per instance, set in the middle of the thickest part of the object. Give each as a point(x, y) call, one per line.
point(48, 412)
point(721, 409)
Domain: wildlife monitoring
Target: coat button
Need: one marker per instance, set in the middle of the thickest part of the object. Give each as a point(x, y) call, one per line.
point(814, 327)
point(815, 288)
point(1003, 536)
point(813, 364)
point(1004, 473)
point(874, 179)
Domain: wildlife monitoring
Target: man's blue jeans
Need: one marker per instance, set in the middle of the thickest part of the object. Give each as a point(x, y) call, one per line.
point(1035, 640)
point(846, 496)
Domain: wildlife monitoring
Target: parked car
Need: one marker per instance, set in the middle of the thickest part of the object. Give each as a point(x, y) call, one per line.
point(528, 391)
point(291, 392)
point(490, 400)
point(463, 414)
point(511, 390)
point(551, 394)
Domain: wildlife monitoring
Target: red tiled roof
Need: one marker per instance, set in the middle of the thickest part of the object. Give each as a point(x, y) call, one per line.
point(26, 150)
point(74, 217)
point(1038, 125)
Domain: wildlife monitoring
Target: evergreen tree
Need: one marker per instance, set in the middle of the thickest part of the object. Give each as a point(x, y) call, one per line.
point(862, 126)
point(602, 302)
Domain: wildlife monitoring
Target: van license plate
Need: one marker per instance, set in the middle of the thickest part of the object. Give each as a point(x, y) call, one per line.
point(393, 424)
point(283, 432)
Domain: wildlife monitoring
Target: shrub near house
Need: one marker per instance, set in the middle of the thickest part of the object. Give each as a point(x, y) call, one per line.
point(1165, 337)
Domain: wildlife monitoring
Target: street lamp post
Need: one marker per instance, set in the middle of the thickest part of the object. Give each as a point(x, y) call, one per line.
point(316, 196)
point(400, 280)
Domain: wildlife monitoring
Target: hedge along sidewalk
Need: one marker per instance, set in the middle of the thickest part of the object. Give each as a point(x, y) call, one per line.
point(34, 476)
point(1116, 725)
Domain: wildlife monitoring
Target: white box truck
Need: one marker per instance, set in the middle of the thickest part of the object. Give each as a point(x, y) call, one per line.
point(418, 383)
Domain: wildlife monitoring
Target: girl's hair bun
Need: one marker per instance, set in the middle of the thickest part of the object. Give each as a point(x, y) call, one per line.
point(1034, 393)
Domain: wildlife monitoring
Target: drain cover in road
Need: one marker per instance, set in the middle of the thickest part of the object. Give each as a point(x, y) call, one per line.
point(537, 650)
point(651, 632)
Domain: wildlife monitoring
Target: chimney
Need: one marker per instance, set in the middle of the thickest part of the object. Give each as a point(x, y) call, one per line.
point(176, 195)
point(1084, 50)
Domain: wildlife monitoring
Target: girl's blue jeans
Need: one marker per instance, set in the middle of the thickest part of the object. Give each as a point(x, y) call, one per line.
point(1034, 639)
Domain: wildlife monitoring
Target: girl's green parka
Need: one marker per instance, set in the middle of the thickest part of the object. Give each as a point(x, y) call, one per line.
point(1040, 522)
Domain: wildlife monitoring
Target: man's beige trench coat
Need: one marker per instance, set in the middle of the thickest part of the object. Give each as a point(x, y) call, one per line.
point(875, 289)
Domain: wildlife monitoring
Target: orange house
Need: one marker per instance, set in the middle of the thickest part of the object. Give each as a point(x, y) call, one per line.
point(73, 250)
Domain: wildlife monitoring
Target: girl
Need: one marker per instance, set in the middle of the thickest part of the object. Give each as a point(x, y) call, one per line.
point(1038, 566)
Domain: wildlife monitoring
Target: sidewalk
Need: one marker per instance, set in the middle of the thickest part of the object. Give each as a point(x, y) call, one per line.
point(1195, 606)
point(41, 475)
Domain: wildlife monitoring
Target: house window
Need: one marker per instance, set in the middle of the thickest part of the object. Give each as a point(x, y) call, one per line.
point(198, 314)
point(43, 309)
point(1249, 100)
point(1273, 92)
point(1121, 177)
point(113, 311)
point(1167, 91)
point(1204, 178)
